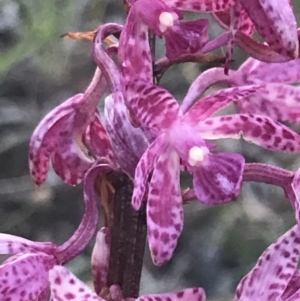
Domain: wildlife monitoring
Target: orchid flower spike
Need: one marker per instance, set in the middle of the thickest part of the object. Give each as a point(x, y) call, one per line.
point(24, 276)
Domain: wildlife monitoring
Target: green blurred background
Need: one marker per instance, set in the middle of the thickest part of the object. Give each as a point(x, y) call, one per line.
point(39, 70)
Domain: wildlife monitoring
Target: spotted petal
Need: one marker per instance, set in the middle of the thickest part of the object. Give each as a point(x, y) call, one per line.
point(71, 160)
point(65, 286)
point(144, 168)
point(59, 136)
point(211, 104)
point(273, 271)
point(11, 244)
point(245, 24)
point(128, 142)
point(275, 22)
point(255, 71)
point(164, 207)
point(44, 139)
point(201, 6)
point(257, 129)
point(154, 107)
point(134, 50)
point(189, 294)
point(218, 179)
point(96, 136)
point(203, 82)
point(279, 102)
point(24, 277)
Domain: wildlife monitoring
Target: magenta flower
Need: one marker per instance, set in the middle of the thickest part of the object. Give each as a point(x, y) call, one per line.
point(217, 177)
point(276, 275)
point(274, 21)
point(24, 276)
point(180, 143)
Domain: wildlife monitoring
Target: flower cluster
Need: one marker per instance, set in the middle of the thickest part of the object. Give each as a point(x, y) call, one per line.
point(148, 135)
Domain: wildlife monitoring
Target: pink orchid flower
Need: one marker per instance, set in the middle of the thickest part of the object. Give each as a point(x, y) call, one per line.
point(179, 141)
point(274, 21)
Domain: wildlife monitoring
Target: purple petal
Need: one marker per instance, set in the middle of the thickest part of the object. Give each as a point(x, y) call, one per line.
point(189, 294)
point(186, 38)
point(218, 179)
point(11, 244)
point(154, 107)
point(59, 135)
point(203, 82)
point(254, 71)
point(164, 207)
point(201, 6)
point(258, 50)
point(134, 50)
point(128, 142)
point(219, 41)
point(279, 102)
point(25, 277)
point(273, 271)
point(257, 129)
point(245, 24)
point(65, 286)
point(71, 160)
point(98, 139)
point(211, 104)
point(102, 56)
point(44, 139)
point(100, 259)
point(144, 168)
point(275, 22)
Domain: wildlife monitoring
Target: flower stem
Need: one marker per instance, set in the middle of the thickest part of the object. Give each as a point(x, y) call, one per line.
point(128, 238)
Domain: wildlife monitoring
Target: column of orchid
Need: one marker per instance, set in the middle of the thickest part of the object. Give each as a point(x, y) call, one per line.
point(137, 151)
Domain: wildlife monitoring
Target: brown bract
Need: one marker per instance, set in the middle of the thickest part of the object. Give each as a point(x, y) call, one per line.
point(87, 35)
